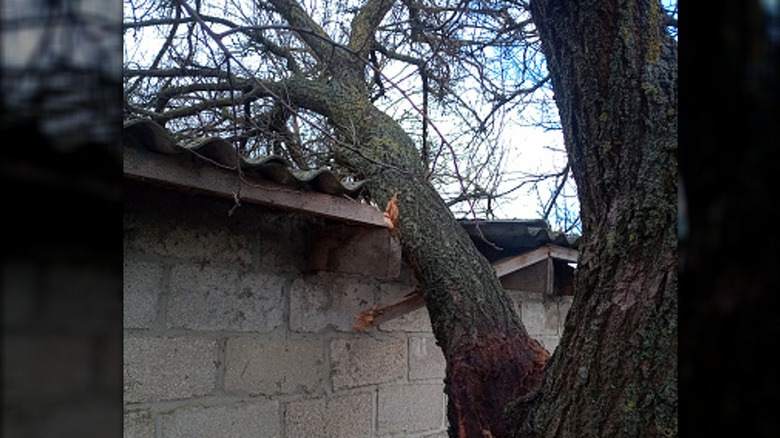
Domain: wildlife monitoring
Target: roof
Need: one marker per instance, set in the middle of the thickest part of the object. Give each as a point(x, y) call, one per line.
point(146, 134)
point(498, 239)
point(151, 153)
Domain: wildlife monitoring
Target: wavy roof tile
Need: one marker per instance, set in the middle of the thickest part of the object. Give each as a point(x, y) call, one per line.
point(148, 135)
point(497, 239)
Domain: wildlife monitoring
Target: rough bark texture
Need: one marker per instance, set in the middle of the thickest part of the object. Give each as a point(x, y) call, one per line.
point(614, 73)
point(491, 360)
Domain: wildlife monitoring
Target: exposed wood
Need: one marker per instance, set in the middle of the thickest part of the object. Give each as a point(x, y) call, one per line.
point(415, 300)
point(562, 253)
point(521, 261)
point(378, 315)
point(181, 173)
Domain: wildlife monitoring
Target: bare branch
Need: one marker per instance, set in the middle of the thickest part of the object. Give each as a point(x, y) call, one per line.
point(308, 30)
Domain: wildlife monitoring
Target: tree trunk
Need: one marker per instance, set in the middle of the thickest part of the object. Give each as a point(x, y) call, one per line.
point(491, 360)
point(614, 73)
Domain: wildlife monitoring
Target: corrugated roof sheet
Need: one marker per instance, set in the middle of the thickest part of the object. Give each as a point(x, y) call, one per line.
point(498, 239)
point(146, 134)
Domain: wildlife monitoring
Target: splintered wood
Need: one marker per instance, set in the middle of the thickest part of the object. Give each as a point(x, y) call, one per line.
point(365, 319)
point(391, 213)
point(378, 315)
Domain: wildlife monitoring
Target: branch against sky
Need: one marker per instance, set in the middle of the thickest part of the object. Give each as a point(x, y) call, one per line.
point(459, 78)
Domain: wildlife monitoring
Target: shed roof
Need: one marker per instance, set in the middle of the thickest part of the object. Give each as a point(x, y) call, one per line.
point(211, 165)
point(152, 153)
point(146, 134)
point(498, 239)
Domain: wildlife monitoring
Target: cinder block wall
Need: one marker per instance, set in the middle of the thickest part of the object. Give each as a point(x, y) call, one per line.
point(228, 334)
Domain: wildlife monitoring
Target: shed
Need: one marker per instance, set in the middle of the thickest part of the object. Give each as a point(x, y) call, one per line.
point(244, 278)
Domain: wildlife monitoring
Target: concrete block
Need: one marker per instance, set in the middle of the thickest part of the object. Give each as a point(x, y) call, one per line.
point(272, 365)
point(282, 242)
point(552, 317)
point(36, 366)
point(138, 424)
point(211, 298)
point(348, 416)
point(426, 360)
point(533, 315)
point(214, 244)
point(142, 286)
point(256, 419)
point(416, 321)
point(517, 298)
point(323, 301)
point(367, 361)
point(438, 434)
point(410, 408)
point(168, 368)
point(549, 342)
point(563, 308)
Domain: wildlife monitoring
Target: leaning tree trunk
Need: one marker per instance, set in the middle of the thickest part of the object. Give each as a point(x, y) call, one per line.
point(491, 360)
point(614, 73)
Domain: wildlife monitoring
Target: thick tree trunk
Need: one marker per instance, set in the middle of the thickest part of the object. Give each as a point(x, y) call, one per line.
point(614, 73)
point(491, 360)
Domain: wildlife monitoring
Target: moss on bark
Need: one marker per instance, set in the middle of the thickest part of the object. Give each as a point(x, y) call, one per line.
point(613, 69)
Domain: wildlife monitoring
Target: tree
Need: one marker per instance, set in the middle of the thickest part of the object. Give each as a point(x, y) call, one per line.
point(614, 72)
point(313, 95)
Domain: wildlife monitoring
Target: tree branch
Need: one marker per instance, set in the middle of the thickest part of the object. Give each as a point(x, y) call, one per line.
point(365, 25)
point(307, 29)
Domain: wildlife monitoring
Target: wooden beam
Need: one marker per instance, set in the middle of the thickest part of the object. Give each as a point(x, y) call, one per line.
point(563, 253)
point(180, 173)
point(376, 315)
point(512, 264)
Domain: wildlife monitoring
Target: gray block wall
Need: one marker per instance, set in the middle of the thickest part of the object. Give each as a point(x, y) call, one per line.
point(227, 332)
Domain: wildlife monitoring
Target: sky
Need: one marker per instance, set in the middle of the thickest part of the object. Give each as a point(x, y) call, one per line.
point(530, 149)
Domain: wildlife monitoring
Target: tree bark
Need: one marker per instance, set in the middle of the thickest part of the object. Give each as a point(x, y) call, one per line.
point(491, 359)
point(614, 72)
